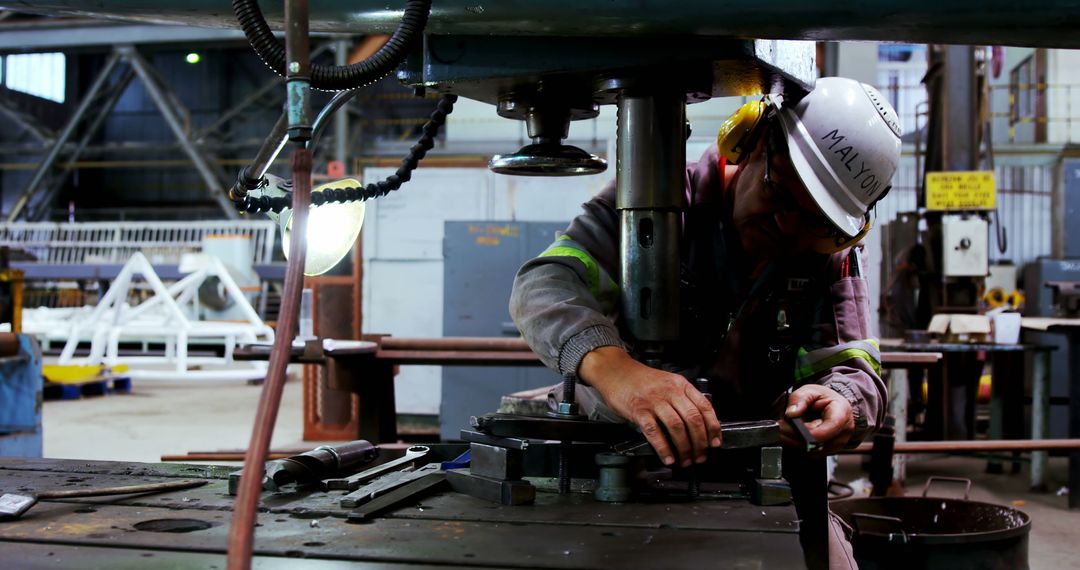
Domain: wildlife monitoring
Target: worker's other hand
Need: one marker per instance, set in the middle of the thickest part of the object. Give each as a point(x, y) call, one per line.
point(827, 415)
point(657, 402)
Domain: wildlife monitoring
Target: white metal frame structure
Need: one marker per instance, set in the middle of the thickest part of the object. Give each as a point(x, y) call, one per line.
point(169, 316)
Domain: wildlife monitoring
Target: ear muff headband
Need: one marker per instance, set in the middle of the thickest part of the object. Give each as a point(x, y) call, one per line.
point(740, 132)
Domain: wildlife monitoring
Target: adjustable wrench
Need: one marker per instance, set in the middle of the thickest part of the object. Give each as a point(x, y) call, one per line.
point(353, 482)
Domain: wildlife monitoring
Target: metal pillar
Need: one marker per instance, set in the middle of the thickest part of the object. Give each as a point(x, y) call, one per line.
point(165, 103)
point(1040, 420)
point(65, 135)
point(650, 180)
point(899, 394)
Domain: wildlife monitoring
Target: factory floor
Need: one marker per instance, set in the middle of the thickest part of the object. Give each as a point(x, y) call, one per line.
point(173, 418)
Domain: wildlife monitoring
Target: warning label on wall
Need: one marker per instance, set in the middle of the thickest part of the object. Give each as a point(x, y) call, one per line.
point(961, 190)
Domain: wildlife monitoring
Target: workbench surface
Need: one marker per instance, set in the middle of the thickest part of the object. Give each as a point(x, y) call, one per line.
point(188, 529)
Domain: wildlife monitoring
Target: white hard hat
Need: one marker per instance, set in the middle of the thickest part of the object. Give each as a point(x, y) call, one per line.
point(844, 140)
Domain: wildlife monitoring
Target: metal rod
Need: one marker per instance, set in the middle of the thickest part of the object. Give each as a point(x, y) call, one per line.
point(214, 184)
point(123, 490)
point(453, 343)
point(65, 134)
point(976, 445)
point(220, 456)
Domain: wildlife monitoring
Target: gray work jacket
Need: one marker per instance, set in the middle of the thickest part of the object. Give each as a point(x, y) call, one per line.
point(755, 335)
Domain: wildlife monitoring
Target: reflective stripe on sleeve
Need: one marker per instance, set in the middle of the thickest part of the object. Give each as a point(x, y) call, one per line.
point(812, 363)
point(600, 284)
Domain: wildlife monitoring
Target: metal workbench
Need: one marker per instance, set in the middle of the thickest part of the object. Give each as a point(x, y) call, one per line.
point(188, 529)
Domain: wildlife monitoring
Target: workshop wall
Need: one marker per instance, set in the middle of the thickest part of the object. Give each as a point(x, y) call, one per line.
point(403, 260)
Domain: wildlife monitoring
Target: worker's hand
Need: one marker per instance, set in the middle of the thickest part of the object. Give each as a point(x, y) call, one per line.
point(827, 415)
point(656, 401)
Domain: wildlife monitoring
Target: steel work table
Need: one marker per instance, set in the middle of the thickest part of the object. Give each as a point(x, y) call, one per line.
point(444, 530)
point(953, 384)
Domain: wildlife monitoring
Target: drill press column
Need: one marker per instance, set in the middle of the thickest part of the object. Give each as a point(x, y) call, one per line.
point(650, 179)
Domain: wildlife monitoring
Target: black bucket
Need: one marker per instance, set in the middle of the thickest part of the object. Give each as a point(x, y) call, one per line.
point(927, 532)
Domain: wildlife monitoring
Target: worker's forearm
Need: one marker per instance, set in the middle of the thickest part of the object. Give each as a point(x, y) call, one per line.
point(603, 366)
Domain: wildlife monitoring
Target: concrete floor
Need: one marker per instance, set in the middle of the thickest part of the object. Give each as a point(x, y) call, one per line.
point(166, 418)
point(172, 418)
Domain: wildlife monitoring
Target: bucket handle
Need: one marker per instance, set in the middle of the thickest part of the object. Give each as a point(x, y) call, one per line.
point(966, 482)
point(894, 537)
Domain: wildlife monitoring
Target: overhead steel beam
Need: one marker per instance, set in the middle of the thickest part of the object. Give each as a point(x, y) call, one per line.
point(240, 107)
point(41, 208)
point(24, 121)
point(166, 103)
point(105, 34)
point(47, 163)
point(1049, 23)
point(253, 98)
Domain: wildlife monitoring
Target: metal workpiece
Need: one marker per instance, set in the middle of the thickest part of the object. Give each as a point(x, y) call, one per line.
point(472, 436)
point(388, 483)
point(742, 435)
point(496, 462)
point(770, 492)
point(412, 491)
point(518, 492)
point(613, 484)
point(771, 465)
point(504, 425)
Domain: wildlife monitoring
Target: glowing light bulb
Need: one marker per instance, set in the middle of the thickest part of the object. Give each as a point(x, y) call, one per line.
point(331, 230)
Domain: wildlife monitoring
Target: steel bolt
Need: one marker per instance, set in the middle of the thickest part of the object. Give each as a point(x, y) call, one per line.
point(568, 408)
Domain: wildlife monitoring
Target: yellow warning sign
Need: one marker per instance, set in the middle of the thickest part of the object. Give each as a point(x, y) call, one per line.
point(961, 190)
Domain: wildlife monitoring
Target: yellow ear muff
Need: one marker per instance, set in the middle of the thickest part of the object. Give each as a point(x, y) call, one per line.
point(831, 245)
point(739, 131)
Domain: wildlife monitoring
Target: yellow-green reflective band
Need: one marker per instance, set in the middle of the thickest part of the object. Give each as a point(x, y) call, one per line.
point(850, 352)
point(592, 270)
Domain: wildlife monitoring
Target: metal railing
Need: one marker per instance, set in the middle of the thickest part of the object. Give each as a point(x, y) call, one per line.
point(115, 242)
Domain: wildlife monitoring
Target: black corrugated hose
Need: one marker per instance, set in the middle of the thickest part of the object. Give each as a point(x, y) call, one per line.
point(334, 77)
point(373, 190)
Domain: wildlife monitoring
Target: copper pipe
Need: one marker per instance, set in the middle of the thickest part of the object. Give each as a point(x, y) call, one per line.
point(973, 446)
point(476, 343)
point(242, 531)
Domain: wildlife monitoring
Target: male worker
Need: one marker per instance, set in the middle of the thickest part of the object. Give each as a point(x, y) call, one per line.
point(774, 304)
